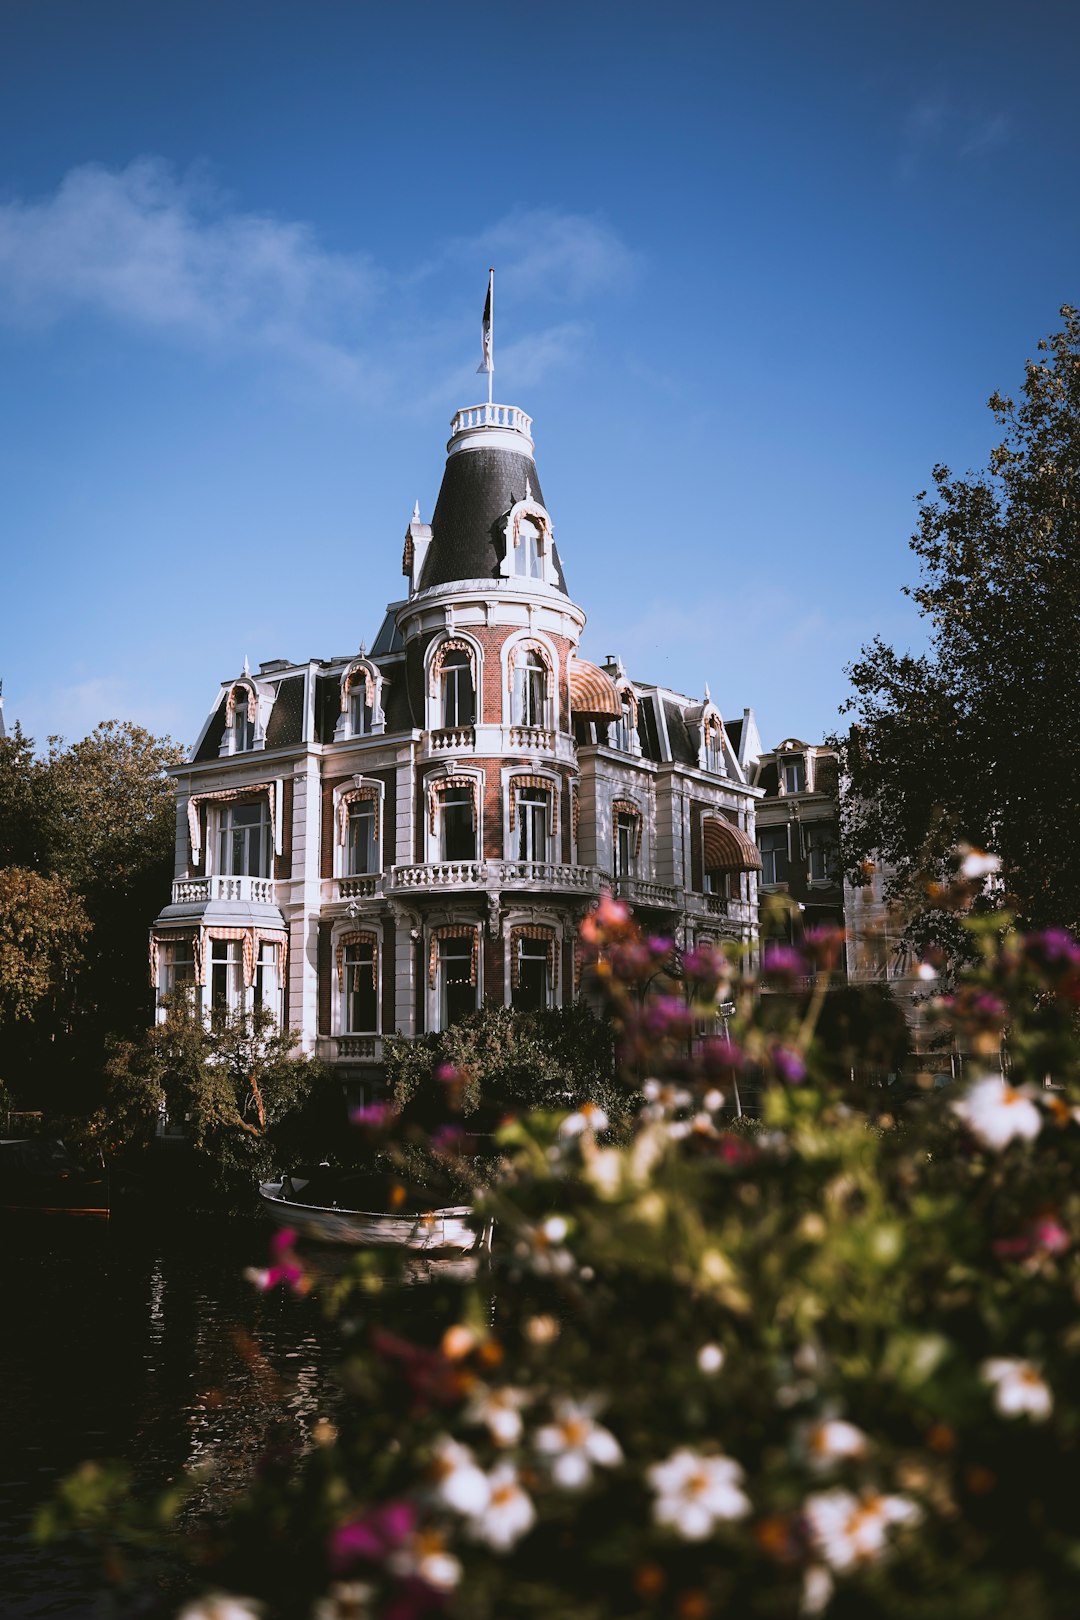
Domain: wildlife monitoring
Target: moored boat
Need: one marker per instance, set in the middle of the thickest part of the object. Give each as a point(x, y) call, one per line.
point(328, 1205)
point(39, 1176)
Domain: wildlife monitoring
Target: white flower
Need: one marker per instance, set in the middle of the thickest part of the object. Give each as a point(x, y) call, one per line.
point(710, 1358)
point(500, 1411)
point(1018, 1387)
point(543, 1247)
point(996, 1112)
point(222, 1606)
point(978, 864)
point(694, 1492)
point(849, 1530)
point(926, 971)
point(817, 1590)
point(460, 1484)
point(425, 1557)
point(509, 1513)
point(832, 1440)
point(713, 1100)
point(589, 1117)
point(346, 1600)
point(663, 1099)
point(576, 1441)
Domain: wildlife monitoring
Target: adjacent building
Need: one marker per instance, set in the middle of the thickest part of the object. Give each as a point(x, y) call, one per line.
point(383, 841)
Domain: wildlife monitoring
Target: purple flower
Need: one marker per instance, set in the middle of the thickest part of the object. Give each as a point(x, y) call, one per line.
point(448, 1140)
point(788, 1065)
point(783, 962)
point(373, 1116)
point(1054, 947)
point(372, 1537)
point(659, 948)
point(448, 1074)
point(667, 1015)
point(720, 1056)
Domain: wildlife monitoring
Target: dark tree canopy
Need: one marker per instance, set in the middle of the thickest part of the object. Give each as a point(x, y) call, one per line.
point(978, 739)
point(86, 852)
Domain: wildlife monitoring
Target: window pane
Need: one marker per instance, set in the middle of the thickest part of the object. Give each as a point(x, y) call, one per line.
point(458, 828)
point(362, 854)
point(361, 1009)
point(531, 992)
point(457, 995)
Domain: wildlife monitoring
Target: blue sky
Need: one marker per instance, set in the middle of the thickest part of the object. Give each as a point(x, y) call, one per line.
point(757, 270)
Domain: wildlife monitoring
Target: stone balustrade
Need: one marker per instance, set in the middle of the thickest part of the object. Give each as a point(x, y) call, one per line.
point(497, 874)
point(218, 886)
point(537, 739)
point(358, 888)
point(503, 416)
point(640, 892)
point(453, 739)
point(350, 1048)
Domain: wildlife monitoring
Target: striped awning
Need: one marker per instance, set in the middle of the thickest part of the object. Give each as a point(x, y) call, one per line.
point(592, 692)
point(728, 849)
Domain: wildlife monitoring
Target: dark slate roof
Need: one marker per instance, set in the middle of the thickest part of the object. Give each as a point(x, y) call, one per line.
point(769, 779)
point(327, 705)
point(734, 731)
point(478, 489)
point(683, 751)
point(388, 639)
point(396, 700)
point(210, 747)
point(285, 726)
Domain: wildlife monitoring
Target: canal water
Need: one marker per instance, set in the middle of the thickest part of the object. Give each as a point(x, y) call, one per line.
point(120, 1340)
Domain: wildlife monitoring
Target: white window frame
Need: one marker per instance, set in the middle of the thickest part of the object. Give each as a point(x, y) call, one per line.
point(222, 813)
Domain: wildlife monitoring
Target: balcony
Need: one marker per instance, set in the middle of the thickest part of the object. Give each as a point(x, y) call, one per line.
point(651, 896)
point(350, 1048)
point(452, 740)
point(549, 876)
point(536, 739)
point(359, 888)
point(245, 890)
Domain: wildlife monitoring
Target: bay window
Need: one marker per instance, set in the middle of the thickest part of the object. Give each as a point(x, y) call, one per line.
point(458, 824)
point(458, 693)
point(530, 691)
point(533, 811)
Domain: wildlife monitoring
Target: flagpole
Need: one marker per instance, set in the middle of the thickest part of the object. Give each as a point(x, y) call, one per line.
point(491, 296)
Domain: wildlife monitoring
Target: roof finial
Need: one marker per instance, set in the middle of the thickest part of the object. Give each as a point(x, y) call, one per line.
point(416, 512)
point(363, 649)
point(708, 694)
point(528, 488)
point(247, 667)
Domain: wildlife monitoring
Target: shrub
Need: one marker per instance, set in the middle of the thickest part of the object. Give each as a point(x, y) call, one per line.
point(817, 1362)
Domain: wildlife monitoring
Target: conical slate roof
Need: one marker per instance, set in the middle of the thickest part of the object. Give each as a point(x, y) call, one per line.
point(478, 489)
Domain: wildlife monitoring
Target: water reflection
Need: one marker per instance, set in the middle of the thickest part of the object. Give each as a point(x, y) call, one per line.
point(149, 1346)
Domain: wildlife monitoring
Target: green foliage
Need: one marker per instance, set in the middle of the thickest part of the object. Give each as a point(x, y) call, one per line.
point(952, 745)
point(43, 928)
point(236, 1086)
point(95, 821)
point(509, 1061)
point(852, 1339)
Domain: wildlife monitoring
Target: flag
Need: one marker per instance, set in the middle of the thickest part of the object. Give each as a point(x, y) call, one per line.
point(486, 345)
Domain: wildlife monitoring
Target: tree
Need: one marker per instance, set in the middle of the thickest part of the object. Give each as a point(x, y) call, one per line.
point(42, 929)
point(88, 829)
point(235, 1085)
point(979, 738)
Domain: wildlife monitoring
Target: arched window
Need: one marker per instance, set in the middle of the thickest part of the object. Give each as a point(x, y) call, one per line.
point(626, 827)
point(241, 708)
point(458, 691)
point(453, 970)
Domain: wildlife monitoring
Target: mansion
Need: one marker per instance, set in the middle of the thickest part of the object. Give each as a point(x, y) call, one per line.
point(381, 842)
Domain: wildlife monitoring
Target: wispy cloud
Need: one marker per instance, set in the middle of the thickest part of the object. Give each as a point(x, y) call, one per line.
point(937, 127)
point(72, 709)
point(168, 255)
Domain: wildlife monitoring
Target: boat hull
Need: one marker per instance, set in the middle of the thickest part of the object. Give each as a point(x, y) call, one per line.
point(436, 1229)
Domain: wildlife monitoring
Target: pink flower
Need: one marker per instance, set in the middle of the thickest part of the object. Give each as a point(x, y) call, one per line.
point(372, 1537)
point(286, 1270)
point(373, 1116)
point(448, 1074)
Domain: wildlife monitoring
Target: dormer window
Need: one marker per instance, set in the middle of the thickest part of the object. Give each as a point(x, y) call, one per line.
point(793, 773)
point(359, 707)
point(528, 558)
point(714, 745)
point(458, 691)
point(241, 706)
